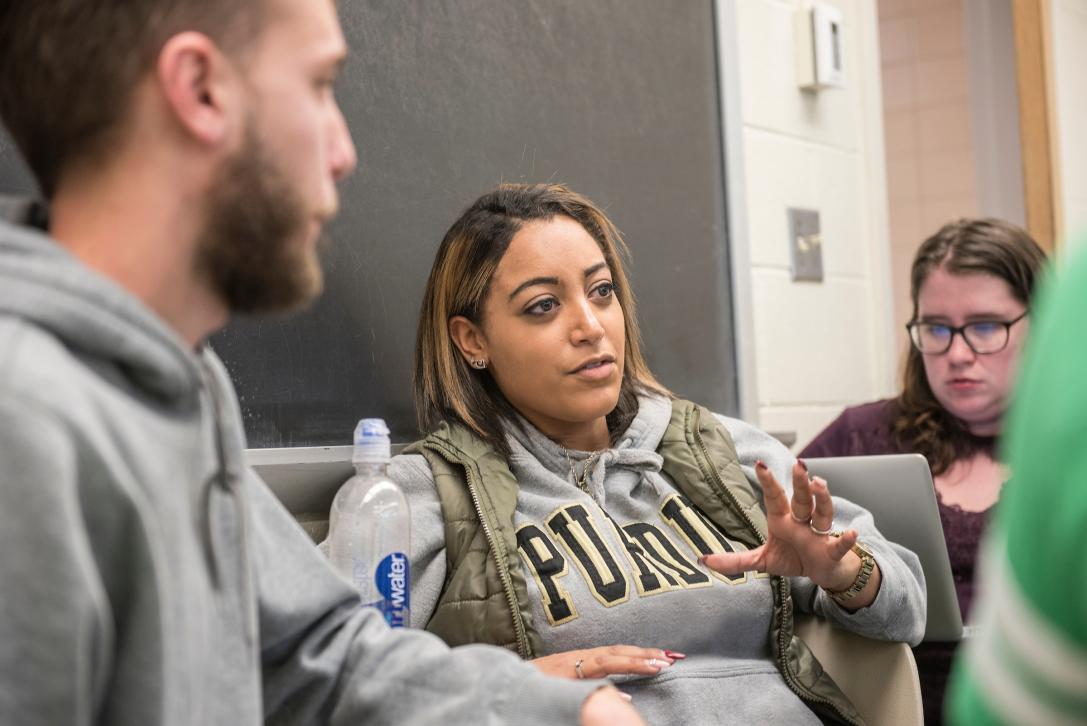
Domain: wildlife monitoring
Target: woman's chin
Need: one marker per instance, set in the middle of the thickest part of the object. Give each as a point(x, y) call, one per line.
point(592, 405)
point(606, 402)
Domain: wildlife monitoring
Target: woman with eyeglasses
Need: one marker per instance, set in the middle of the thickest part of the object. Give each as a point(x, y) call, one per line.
point(971, 285)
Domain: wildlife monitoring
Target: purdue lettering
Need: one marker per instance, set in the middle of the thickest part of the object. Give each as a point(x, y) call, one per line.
point(679, 511)
point(658, 547)
point(547, 565)
point(573, 525)
point(699, 532)
point(651, 578)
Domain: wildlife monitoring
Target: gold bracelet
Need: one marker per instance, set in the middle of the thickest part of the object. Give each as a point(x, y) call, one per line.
point(868, 564)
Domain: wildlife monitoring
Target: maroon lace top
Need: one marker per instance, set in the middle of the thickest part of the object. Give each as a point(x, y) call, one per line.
point(962, 533)
point(866, 430)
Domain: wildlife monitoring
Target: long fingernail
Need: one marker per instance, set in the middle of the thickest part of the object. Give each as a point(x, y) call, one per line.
point(674, 655)
point(803, 464)
point(654, 663)
point(626, 696)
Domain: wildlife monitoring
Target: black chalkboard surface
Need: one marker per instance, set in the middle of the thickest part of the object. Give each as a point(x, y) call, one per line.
point(617, 98)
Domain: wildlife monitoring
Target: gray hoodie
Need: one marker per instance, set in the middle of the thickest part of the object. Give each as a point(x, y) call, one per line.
point(722, 624)
point(148, 577)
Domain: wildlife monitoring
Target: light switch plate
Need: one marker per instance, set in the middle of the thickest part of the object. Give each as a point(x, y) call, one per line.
point(805, 245)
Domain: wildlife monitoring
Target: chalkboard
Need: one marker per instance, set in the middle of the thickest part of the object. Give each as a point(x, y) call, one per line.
point(617, 98)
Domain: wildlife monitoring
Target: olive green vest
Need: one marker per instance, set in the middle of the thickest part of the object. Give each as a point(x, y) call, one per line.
point(485, 598)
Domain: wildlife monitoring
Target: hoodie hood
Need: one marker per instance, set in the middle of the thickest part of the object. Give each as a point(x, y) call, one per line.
point(43, 283)
point(635, 450)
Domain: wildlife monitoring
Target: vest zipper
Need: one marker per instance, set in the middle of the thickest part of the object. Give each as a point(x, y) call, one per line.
point(782, 646)
point(503, 571)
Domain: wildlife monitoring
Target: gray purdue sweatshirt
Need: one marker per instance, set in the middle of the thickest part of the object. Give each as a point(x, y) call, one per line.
point(721, 623)
point(148, 577)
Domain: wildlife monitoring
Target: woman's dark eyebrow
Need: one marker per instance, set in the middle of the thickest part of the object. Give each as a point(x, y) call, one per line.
point(595, 268)
point(975, 318)
point(553, 280)
point(534, 281)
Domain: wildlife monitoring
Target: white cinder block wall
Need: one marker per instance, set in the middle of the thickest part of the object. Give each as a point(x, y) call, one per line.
point(817, 347)
point(1068, 34)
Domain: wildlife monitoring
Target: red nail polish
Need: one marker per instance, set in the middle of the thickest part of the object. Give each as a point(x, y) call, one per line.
point(674, 655)
point(759, 464)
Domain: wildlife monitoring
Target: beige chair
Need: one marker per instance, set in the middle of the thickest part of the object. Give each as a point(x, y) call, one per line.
point(879, 677)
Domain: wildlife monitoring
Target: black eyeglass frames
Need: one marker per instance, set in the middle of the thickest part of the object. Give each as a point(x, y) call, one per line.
point(984, 337)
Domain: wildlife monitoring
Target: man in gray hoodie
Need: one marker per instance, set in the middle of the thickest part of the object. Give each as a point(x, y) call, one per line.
point(190, 151)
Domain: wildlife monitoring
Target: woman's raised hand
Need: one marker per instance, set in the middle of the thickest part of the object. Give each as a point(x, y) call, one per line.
point(799, 540)
point(607, 660)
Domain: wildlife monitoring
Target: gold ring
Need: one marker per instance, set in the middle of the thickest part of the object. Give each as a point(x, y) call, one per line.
point(577, 668)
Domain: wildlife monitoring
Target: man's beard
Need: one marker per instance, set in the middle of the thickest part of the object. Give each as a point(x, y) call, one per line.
point(253, 249)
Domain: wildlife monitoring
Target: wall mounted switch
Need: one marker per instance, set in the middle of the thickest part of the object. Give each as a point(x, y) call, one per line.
point(820, 46)
point(805, 245)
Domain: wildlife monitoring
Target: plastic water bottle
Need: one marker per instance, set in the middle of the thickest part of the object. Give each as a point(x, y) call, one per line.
point(370, 527)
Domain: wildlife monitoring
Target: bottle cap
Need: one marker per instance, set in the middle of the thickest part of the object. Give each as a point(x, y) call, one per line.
point(372, 445)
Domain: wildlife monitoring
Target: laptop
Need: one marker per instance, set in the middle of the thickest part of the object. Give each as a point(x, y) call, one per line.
point(898, 491)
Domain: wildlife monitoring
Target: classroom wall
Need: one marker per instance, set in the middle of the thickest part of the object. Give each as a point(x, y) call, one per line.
point(928, 133)
point(1068, 37)
point(951, 124)
point(816, 346)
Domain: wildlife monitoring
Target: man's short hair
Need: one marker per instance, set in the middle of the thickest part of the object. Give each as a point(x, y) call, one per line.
point(68, 68)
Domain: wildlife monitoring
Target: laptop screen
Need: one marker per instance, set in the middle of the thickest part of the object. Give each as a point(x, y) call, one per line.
point(898, 491)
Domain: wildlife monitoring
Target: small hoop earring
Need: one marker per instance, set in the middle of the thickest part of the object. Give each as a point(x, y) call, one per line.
point(479, 363)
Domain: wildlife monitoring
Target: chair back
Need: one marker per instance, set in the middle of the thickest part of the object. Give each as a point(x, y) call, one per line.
point(879, 677)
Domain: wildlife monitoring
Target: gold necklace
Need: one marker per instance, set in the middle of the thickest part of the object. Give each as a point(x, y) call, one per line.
point(582, 479)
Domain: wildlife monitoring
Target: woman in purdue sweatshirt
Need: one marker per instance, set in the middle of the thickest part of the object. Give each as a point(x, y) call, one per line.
point(565, 503)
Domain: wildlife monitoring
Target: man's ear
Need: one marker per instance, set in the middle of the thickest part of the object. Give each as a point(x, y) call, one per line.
point(197, 82)
point(468, 338)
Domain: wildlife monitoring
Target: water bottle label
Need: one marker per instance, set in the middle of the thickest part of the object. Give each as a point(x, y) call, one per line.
point(393, 582)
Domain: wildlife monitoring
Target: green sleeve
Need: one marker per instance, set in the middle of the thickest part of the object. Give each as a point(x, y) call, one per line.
point(1028, 663)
